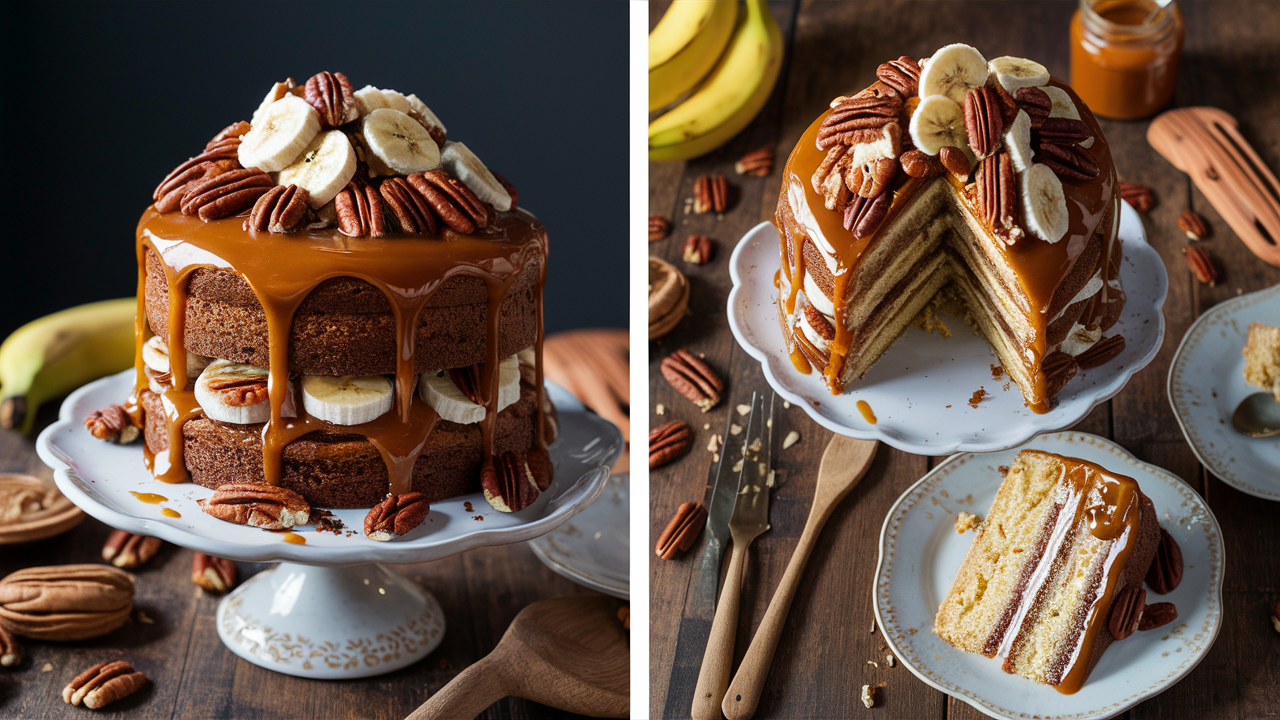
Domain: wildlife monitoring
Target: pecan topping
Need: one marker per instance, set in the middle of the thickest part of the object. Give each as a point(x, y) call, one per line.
point(1165, 572)
point(918, 164)
point(214, 574)
point(828, 178)
point(103, 683)
point(871, 179)
point(1036, 102)
point(692, 378)
point(176, 186)
point(396, 515)
point(10, 650)
point(410, 209)
point(819, 322)
point(872, 108)
point(1126, 612)
point(112, 424)
point(467, 380)
point(1069, 162)
point(697, 249)
point(982, 122)
point(903, 75)
point(452, 201)
point(710, 194)
point(224, 146)
point(1157, 615)
point(66, 602)
point(1064, 131)
point(539, 462)
point(359, 209)
point(1102, 352)
point(1008, 105)
point(995, 189)
point(227, 194)
point(125, 550)
point(757, 162)
point(505, 183)
point(260, 505)
point(668, 442)
point(240, 391)
point(507, 482)
point(659, 227)
point(954, 159)
point(1058, 368)
point(331, 95)
point(863, 216)
point(1193, 225)
point(681, 531)
point(223, 139)
point(1137, 195)
point(280, 210)
point(1201, 265)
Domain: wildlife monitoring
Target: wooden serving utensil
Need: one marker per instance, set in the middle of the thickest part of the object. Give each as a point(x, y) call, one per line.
point(569, 652)
point(1204, 143)
point(844, 463)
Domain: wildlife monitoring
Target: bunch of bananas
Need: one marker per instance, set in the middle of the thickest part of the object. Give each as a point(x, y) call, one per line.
point(722, 62)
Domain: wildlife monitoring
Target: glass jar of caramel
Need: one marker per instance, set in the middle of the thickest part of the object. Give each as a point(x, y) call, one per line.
point(1124, 56)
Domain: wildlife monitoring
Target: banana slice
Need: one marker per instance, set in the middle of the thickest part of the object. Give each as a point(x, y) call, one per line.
point(938, 122)
point(1044, 207)
point(1015, 72)
point(458, 160)
point(952, 71)
point(527, 356)
point(447, 400)
point(276, 92)
point(235, 393)
point(324, 168)
point(371, 98)
point(1018, 140)
point(420, 111)
point(155, 355)
point(400, 142)
point(347, 400)
point(280, 135)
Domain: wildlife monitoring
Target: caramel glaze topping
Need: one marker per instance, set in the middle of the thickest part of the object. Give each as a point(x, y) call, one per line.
point(282, 269)
point(1040, 266)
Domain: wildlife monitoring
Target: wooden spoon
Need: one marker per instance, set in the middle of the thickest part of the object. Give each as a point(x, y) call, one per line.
point(844, 463)
point(569, 652)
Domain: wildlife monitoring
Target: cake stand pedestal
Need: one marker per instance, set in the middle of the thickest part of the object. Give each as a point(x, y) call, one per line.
point(330, 610)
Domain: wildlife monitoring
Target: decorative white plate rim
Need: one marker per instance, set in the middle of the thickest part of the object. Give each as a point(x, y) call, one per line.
point(1156, 481)
point(68, 449)
point(887, 394)
point(1181, 392)
point(579, 567)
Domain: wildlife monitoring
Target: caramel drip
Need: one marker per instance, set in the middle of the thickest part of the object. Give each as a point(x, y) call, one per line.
point(170, 512)
point(148, 498)
point(865, 408)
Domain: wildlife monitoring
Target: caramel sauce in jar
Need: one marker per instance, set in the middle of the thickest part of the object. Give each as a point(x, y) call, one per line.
point(1124, 56)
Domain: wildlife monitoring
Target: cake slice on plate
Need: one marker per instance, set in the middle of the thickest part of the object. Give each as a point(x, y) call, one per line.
point(1262, 357)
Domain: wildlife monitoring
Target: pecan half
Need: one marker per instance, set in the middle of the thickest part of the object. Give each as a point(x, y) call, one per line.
point(103, 683)
point(1058, 368)
point(902, 75)
point(668, 442)
point(1165, 572)
point(1069, 162)
point(1137, 195)
point(10, 650)
point(240, 391)
point(126, 550)
point(225, 195)
point(1008, 105)
point(681, 531)
point(828, 179)
point(1064, 131)
point(467, 380)
point(819, 322)
point(214, 574)
point(453, 202)
point(1158, 615)
point(1036, 102)
point(112, 424)
point(1101, 353)
point(65, 602)
point(259, 505)
point(871, 179)
point(710, 194)
point(408, 207)
point(176, 187)
point(280, 210)
point(234, 131)
point(1193, 225)
point(1126, 612)
point(757, 162)
point(507, 482)
point(917, 164)
point(360, 213)
point(982, 122)
point(697, 249)
point(220, 148)
point(540, 466)
point(396, 515)
point(954, 159)
point(506, 185)
point(863, 216)
point(866, 110)
point(1201, 265)
point(692, 378)
point(659, 227)
point(996, 195)
point(331, 95)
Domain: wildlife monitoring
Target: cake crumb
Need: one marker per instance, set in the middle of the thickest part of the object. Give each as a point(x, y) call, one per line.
point(325, 521)
point(467, 506)
point(47, 667)
point(743, 409)
point(873, 662)
point(477, 517)
point(145, 619)
point(706, 426)
point(873, 627)
point(979, 395)
point(715, 457)
point(737, 467)
point(1004, 469)
point(769, 481)
point(967, 521)
point(735, 429)
point(891, 660)
point(786, 405)
point(713, 445)
point(792, 438)
point(911, 631)
point(868, 696)
point(661, 409)
point(997, 371)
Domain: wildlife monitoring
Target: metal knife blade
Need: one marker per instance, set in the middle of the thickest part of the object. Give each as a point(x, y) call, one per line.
point(751, 509)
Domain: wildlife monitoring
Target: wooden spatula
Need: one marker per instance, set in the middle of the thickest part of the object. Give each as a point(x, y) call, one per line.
point(1204, 143)
point(844, 463)
point(568, 652)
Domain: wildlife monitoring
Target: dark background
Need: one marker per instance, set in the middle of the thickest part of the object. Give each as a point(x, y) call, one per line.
point(101, 100)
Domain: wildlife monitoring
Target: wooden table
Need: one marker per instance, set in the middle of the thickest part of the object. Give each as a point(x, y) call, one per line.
point(172, 635)
point(1230, 61)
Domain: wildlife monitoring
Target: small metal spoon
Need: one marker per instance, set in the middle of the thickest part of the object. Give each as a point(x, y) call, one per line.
point(1257, 415)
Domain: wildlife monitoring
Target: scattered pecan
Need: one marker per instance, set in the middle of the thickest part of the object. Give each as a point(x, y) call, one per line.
point(1101, 353)
point(1193, 225)
point(710, 194)
point(668, 442)
point(982, 122)
point(866, 110)
point(863, 216)
point(331, 95)
point(214, 574)
point(1165, 572)
point(681, 531)
point(918, 164)
point(280, 210)
point(396, 515)
point(467, 380)
point(227, 194)
point(1036, 102)
point(507, 483)
point(506, 185)
point(697, 249)
point(1158, 615)
point(408, 207)
point(902, 75)
point(103, 683)
point(112, 424)
point(65, 602)
point(1069, 162)
point(757, 162)
point(873, 178)
point(1126, 612)
point(10, 650)
point(692, 378)
point(1058, 368)
point(954, 159)
point(1137, 195)
point(819, 322)
point(452, 201)
point(260, 505)
point(1201, 265)
point(360, 212)
point(1064, 131)
point(659, 227)
point(126, 550)
point(240, 391)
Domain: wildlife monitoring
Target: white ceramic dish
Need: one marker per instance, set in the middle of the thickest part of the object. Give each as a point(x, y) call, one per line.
point(1206, 383)
point(920, 389)
point(593, 548)
point(920, 553)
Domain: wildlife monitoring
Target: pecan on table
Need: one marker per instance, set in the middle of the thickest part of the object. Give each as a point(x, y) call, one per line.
point(214, 574)
point(126, 550)
point(659, 227)
point(1126, 612)
point(1165, 573)
point(331, 95)
point(757, 162)
point(692, 378)
point(902, 75)
point(112, 424)
point(1058, 368)
point(711, 194)
point(668, 442)
point(1201, 265)
point(281, 210)
point(507, 482)
point(1194, 226)
point(225, 195)
point(1101, 353)
point(103, 683)
point(408, 207)
point(681, 531)
point(1137, 195)
point(260, 505)
point(65, 602)
point(359, 209)
point(452, 201)
point(982, 122)
point(697, 249)
point(396, 515)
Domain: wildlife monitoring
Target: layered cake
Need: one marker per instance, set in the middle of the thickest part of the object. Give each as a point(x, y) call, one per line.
point(1262, 357)
point(1055, 573)
point(986, 187)
point(339, 299)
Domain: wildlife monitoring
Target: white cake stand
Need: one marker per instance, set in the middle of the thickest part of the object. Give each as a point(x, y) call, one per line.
point(329, 610)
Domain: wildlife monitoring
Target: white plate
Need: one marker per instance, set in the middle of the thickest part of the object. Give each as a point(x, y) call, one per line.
point(920, 389)
point(98, 477)
point(594, 548)
point(920, 552)
point(1206, 383)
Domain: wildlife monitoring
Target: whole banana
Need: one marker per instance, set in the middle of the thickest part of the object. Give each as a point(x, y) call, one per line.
point(731, 95)
point(51, 356)
point(685, 45)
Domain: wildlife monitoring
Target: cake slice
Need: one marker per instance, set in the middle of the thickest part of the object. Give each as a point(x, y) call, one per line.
point(1262, 357)
point(1062, 541)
